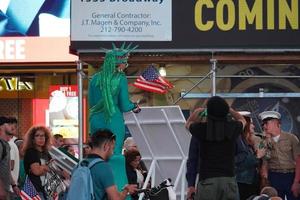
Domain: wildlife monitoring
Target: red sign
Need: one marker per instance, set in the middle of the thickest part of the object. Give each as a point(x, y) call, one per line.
point(68, 90)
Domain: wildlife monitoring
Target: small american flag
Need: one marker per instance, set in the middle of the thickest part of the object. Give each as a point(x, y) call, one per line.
point(29, 192)
point(151, 81)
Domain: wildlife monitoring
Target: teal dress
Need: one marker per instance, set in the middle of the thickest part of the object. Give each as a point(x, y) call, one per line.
point(98, 120)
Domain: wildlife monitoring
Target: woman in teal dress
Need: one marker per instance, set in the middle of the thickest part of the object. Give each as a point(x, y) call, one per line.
point(108, 100)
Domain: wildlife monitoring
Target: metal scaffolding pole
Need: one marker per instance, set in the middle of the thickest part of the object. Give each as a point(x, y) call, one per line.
point(80, 107)
point(202, 79)
point(213, 76)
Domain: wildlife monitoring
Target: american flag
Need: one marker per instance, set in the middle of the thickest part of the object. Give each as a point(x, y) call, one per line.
point(29, 192)
point(151, 81)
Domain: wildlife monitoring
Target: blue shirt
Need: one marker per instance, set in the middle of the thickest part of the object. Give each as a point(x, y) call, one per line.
point(102, 177)
point(246, 163)
point(193, 162)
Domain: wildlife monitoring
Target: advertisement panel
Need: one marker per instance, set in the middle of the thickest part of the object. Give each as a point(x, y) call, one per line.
point(35, 18)
point(36, 33)
point(63, 110)
point(35, 49)
point(197, 25)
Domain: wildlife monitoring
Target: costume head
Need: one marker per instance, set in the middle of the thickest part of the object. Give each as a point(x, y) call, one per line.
point(113, 58)
point(116, 56)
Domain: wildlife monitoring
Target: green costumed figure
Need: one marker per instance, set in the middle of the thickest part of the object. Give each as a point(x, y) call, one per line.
point(108, 100)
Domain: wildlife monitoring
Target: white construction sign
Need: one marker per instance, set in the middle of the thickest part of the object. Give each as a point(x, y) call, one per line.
point(121, 20)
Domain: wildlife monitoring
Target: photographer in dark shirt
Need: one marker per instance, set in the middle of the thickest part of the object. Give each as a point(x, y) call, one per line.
point(217, 139)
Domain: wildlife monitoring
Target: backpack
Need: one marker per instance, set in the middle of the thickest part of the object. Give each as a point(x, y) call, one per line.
point(3, 150)
point(81, 186)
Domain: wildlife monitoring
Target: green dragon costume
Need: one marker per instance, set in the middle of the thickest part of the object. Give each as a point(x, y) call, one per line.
point(108, 100)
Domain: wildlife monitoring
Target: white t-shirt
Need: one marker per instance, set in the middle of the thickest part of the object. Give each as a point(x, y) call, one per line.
point(14, 155)
point(276, 138)
point(140, 178)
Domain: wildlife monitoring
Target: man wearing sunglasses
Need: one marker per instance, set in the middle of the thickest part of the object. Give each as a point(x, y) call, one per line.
point(284, 155)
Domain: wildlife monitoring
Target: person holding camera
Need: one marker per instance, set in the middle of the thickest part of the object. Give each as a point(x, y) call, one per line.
point(217, 138)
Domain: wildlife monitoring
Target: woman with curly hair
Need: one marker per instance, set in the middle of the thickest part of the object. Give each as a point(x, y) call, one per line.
point(36, 145)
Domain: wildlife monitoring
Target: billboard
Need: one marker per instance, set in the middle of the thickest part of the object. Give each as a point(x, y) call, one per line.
point(196, 25)
point(35, 31)
point(35, 18)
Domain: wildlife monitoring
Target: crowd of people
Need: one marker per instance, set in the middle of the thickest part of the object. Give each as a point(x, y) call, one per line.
point(231, 161)
point(24, 158)
point(229, 158)
point(32, 162)
point(108, 100)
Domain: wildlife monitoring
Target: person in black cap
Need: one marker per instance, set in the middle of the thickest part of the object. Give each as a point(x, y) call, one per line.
point(5, 172)
point(284, 157)
point(217, 139)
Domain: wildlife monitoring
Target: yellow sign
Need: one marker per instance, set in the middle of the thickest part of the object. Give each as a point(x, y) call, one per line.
point(14, 84)
point(232, 14)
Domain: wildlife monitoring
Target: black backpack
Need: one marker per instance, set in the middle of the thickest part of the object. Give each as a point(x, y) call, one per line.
point(4, 150)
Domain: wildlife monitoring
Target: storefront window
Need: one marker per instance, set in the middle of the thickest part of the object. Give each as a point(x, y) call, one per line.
point(46, 99)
